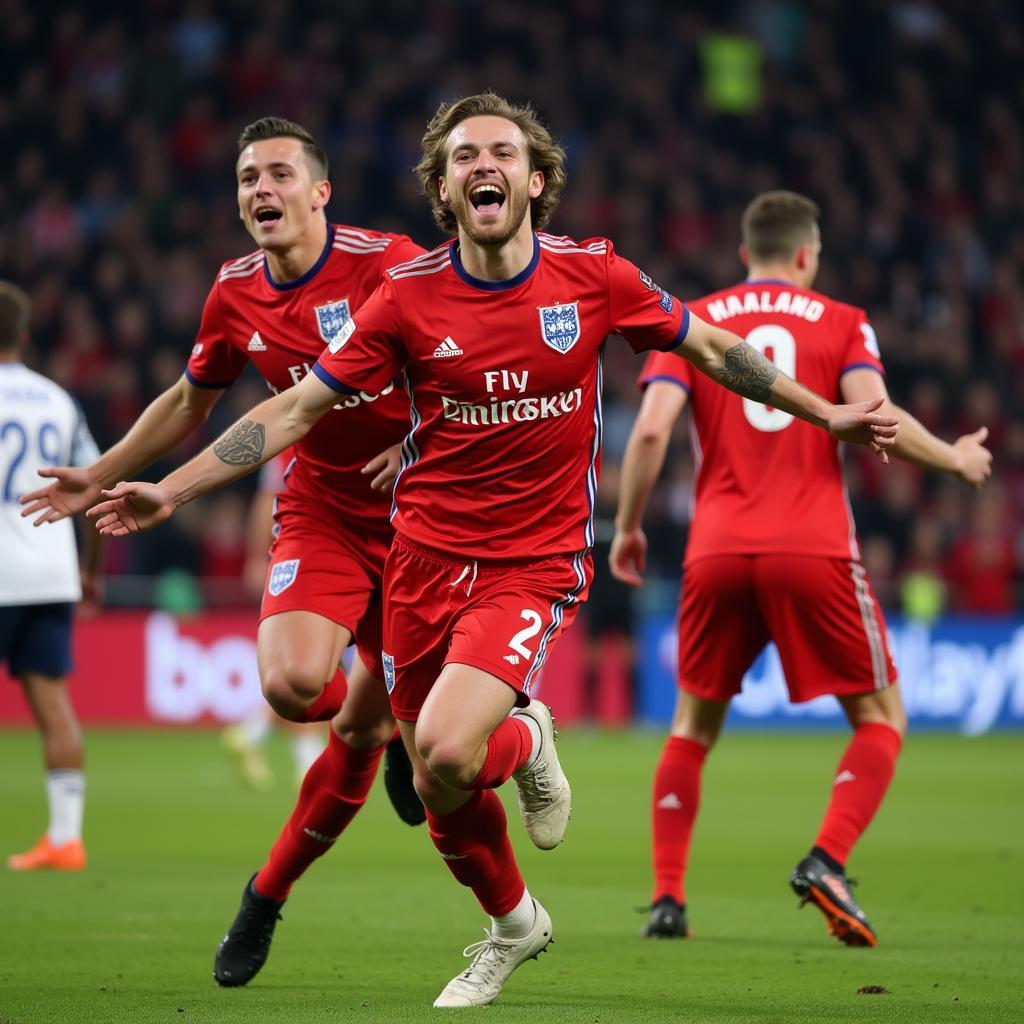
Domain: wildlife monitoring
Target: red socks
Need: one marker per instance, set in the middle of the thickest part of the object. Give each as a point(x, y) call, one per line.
point(473, 840)
point(335, 787)
point(328, 704)
point(508, 747)
point(861, 782)
point(674, 803)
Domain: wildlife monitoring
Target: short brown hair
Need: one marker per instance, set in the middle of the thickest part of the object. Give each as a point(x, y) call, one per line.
point(281, 128)
point(14, 310)
point(776, 224)
point(546, 155)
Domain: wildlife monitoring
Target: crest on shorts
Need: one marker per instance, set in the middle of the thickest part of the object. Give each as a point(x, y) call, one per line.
point(389, 670)
point(282, 576)
point(330, 318)
point(560, 325)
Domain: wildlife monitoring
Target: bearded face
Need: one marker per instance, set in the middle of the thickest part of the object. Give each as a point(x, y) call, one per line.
point(488, 185)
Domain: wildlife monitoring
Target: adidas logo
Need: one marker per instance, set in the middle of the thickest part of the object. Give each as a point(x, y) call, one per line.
point(319, 836)
point(256, 343)
point(447, 350)
point(512, 659)
point(670, 802)
point(844, 776)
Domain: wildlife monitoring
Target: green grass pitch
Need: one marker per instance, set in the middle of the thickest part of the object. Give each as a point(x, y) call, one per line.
point(376, 928)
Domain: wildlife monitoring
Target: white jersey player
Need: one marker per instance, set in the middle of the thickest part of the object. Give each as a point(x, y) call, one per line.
point(41, 425)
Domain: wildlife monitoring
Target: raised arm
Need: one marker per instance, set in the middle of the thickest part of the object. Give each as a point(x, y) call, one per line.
point(268, 429)
point(662, 404)
point(163, 425)
point(967, 458)
point(737, 365)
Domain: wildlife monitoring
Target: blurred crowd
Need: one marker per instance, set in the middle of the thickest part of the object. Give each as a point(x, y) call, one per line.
point(902, 119)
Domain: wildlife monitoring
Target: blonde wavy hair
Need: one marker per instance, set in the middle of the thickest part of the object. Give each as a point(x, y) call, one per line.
point(545, 154)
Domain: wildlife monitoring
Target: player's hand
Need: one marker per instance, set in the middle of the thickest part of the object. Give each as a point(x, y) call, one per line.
point(974, 460)
point(861, 424)
point(73, 491)
point(627, 558)
point(385, 468)
point(130, 508)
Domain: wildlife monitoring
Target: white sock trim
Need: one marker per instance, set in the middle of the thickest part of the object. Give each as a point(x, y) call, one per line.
point(516, 924)
point(65, 793)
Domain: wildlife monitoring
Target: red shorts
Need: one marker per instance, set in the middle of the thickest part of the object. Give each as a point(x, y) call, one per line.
point(821, 613)
point(498, 617)
point(318, 565)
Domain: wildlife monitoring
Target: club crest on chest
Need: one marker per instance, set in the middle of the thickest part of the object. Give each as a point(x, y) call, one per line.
point(560, 325)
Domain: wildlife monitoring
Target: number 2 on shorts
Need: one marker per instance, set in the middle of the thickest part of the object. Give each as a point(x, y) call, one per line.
point(516, 643)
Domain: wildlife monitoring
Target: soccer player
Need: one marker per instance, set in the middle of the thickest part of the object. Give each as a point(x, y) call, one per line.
point(245, 740)
point(499, 333)
point(278, 307)
point(42, 425)
point(772, 552)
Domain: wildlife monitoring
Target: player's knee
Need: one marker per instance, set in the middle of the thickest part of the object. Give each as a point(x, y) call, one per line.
point(290, 689)
point(447, 759)
point(363, 734)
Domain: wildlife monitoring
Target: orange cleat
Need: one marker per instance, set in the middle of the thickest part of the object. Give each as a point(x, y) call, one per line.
point(45, 856)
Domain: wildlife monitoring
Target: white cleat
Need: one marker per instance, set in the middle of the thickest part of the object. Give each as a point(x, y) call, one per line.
point(493, 961)
point(545, 798)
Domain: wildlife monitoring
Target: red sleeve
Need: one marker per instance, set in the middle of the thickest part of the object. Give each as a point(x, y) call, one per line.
point(669, 367)
point(644, 314)
point(401, 250)
point(367, 353)
point(861, 352)
point(214, 362)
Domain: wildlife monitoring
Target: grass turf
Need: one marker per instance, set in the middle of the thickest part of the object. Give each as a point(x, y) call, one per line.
point(375, 929)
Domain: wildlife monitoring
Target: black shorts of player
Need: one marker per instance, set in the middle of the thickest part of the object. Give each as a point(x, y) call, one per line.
point(36, 638)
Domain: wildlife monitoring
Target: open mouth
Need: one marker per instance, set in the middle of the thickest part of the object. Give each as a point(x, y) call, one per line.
point(267, 216)
point(487, 199)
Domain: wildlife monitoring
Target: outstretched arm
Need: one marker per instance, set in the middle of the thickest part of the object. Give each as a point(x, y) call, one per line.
point(737, 365)
point(244, 446)
point(163, 425)
point(967, 458)
point(645, 454)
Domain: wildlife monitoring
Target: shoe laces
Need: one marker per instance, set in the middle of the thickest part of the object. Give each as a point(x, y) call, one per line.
point(488, 957)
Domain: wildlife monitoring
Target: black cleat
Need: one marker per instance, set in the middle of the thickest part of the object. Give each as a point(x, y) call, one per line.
point(815, 882)
point(398, 783)
point(245, 948)
point(667, 920)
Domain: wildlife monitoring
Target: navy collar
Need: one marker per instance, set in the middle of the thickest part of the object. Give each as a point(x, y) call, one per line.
point(287, 286)
point(493, 286)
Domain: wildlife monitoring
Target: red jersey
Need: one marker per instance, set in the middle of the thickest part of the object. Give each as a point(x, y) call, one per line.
point(767, 482)
point(283, 328)
point(505, 384)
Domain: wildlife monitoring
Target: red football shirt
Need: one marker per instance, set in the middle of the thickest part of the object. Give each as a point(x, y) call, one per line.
point(283, 328)
point(767, 482)
point(505, 383)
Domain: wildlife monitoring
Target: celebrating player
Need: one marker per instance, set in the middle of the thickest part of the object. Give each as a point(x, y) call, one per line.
point(279, 306)
point(499, 333)
point(772, 552)
point(41, 580)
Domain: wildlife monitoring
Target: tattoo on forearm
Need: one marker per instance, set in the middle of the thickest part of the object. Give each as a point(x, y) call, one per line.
point(748, 373)
point(243, 444)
